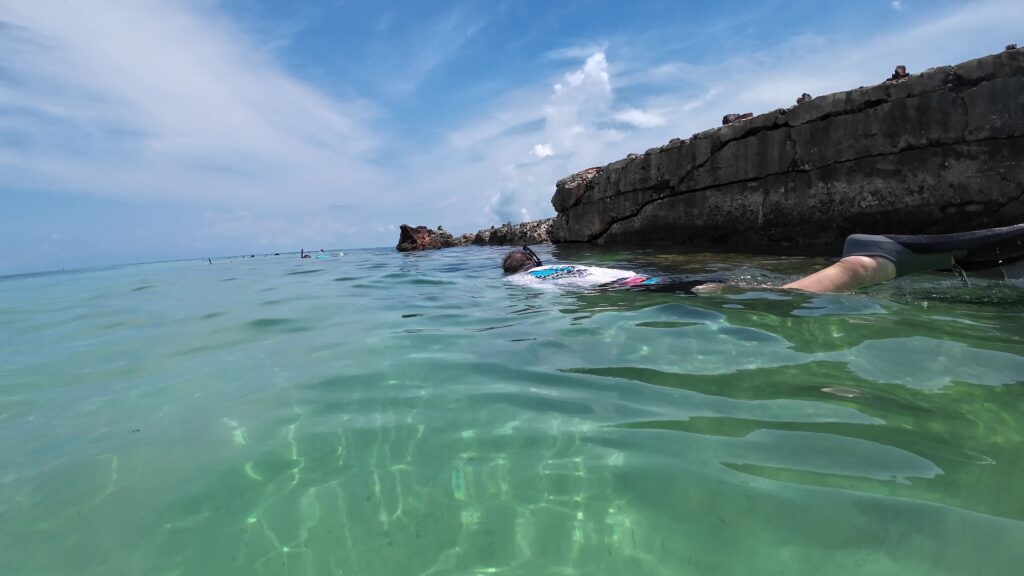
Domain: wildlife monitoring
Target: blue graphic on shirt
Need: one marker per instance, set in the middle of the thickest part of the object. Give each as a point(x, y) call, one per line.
point(553, 272)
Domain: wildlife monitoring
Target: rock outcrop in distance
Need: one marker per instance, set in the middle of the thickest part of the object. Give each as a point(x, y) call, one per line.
point(935, 152)
point(423, 238)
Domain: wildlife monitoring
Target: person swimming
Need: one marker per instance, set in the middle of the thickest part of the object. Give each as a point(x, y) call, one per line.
point(867, 259)
point(526, 260)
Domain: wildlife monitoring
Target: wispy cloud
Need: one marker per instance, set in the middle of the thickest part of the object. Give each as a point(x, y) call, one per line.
point(639, 118)
point(579, 52)
point(434, 44)
point(163, 100)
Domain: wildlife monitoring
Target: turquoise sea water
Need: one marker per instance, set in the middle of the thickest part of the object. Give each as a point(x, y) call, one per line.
point(386, 413)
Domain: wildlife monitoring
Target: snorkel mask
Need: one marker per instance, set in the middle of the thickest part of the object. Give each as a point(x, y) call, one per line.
point(533, 255)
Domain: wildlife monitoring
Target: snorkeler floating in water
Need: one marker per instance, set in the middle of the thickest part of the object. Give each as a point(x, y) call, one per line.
point(867, 259)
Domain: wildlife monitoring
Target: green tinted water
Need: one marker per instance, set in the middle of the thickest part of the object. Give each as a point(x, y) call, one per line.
point(384, 413)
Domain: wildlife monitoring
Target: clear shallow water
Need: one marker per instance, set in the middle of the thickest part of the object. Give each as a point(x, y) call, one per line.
point(388, 413)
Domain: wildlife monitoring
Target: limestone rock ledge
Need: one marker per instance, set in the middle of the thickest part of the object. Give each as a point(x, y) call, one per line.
point(941, 151)
point(411, 238)
point(423, 238)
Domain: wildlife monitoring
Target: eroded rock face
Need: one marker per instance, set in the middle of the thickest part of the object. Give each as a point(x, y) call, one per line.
point(422, 238)
point(569, 190)
point(940, 151)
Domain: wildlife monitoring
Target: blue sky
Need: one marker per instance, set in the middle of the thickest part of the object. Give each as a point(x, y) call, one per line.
point(160, 129)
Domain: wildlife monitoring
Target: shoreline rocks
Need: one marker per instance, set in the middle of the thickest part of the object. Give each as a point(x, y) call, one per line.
point(424, 238)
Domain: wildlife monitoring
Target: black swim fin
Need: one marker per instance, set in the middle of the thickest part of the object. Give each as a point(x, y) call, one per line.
point(973, 250)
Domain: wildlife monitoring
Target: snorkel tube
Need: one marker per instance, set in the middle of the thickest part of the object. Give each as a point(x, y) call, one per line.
point(532, 254)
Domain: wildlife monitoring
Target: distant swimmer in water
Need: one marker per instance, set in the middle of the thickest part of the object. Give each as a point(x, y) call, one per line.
point(867, 259)
point(302, 253)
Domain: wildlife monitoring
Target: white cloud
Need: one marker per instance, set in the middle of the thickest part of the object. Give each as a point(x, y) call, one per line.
point(542, 150)
point(486, 157)
point(575, 52)
point(581, 101)
point(897, 5)
point(639, 118)
point(594, 71)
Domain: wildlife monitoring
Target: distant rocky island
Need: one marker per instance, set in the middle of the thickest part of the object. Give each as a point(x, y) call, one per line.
point(935, 152)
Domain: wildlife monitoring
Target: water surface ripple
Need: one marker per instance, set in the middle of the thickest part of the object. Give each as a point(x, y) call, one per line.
point(385, 413)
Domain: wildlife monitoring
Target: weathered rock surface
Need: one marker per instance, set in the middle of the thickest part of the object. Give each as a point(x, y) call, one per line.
point(423, 238)
point(940, 151)
point(535, 232)
point(730, 118)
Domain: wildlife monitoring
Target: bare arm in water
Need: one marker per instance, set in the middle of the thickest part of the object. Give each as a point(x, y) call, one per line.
point(850, 273)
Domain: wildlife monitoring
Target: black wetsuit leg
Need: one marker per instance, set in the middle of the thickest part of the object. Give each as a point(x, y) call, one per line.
point(972, 250)
point(678, 284)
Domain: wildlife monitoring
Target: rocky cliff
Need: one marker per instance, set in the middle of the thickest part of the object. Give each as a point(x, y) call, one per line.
point(935, 152)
